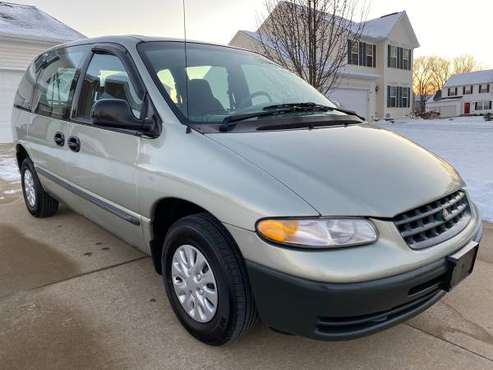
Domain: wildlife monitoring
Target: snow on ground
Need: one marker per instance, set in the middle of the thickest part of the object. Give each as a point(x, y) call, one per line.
point(8, 170)
point(466, 143)
point(8, 165)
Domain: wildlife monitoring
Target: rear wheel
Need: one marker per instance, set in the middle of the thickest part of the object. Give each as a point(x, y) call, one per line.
point(38, 202)
point(206, 281)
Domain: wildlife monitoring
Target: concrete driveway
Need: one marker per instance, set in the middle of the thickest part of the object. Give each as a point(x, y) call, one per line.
point(74, 296)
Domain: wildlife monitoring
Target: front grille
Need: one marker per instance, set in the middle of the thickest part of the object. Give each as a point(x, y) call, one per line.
point(435, 222)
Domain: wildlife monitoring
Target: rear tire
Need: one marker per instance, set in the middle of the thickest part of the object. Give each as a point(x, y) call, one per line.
point(231, 307)
point(38, 202)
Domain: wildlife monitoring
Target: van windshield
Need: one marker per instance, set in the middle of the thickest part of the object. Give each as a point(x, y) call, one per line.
point(215, 82)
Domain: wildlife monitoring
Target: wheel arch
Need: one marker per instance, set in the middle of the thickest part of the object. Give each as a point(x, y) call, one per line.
point(165, 213)
point(21, 154)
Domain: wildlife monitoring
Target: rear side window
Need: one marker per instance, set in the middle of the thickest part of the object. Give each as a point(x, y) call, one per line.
point(24, 96)
point(57, 80)
point(106, 78)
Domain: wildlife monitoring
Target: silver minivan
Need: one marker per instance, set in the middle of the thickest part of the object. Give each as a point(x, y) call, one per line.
point(253, 193)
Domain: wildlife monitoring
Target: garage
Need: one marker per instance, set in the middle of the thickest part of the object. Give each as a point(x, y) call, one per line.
point(9, 80)
point(25, 32)
point(352, 99)
point(445, 107)
point(448, 111)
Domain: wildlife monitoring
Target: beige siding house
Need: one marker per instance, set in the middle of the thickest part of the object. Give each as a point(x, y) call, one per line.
point(25, 32)
point(376, 82)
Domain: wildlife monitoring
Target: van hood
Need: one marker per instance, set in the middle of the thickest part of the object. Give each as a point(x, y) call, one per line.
point(356, 170)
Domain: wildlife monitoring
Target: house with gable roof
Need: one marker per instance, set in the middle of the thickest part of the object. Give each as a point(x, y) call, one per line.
point(377, 80)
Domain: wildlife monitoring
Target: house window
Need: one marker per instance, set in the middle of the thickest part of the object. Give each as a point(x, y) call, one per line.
point(361, 53)
point(452, 91)
point(483, 105)
point(467, 90)
point(405, 59)
point(392, 98)
point(485, 88)
point(353, 52)
point(405, 98)
point(370, 56)
point(399, 58)
point(398, 97)
point(392, 57)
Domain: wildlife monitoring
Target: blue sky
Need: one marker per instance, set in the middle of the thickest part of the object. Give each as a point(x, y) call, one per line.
point(444, 27)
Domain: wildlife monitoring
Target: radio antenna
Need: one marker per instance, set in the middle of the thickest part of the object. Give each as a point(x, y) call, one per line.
point(186, 60)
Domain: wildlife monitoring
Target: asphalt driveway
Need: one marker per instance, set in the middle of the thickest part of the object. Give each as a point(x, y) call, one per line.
point(74, 296)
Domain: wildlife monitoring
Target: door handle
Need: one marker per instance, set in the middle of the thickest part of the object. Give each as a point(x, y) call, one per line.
point(59, 138)
point(74, 143)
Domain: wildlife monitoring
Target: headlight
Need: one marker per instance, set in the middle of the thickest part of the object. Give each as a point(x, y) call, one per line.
point(318, 233)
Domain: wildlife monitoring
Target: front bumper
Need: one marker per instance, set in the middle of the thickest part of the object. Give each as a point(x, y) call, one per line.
point(340, 311)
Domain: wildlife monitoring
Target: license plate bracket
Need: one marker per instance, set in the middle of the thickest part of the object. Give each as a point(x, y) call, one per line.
point(461, 265)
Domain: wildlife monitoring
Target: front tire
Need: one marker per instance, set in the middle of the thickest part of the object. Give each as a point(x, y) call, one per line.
point(206, 281)
point(38, 202)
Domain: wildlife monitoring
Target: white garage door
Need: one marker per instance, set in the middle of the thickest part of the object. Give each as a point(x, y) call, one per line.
point(9, 80)
point(352, 99)
point(448, 111)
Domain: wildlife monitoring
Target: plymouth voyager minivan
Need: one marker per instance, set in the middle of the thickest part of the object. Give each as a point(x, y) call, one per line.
point(253, 193)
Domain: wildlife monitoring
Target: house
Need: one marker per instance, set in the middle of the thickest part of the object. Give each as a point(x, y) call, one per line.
point(25, 32)
point(464, 94)
point(377, 80)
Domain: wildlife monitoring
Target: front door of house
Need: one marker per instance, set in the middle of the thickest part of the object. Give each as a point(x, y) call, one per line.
point(467, 108)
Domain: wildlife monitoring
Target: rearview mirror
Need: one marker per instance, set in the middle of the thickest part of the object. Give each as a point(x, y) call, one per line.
point(117, 113)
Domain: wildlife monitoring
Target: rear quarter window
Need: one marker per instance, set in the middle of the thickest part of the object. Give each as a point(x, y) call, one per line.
point(57, 80)
point(24, 96)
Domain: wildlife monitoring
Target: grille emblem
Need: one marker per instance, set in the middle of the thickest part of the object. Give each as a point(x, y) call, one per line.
point(445, 214)
point(439, 219)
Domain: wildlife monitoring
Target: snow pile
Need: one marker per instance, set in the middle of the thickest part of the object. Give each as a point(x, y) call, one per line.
point(466, 143)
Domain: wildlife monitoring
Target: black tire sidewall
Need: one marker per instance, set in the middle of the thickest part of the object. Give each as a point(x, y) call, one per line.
point(28, 165)
point(215, 331)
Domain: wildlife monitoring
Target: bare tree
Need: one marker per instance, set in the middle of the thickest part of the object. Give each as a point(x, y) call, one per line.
point(440, 72)
point(422, 80)
point(465, 63)
point(310, 37)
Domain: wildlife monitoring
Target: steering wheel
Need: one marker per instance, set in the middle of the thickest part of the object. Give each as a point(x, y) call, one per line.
point(256, 94)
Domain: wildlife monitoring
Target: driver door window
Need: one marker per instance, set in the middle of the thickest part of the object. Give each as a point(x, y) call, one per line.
point(106, 78)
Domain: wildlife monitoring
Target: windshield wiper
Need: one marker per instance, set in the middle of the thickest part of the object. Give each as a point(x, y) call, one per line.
point(310, 125)
point(274, 110)
point(314, 106)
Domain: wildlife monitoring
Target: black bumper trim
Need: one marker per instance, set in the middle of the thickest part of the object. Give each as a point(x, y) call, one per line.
point(327, 311)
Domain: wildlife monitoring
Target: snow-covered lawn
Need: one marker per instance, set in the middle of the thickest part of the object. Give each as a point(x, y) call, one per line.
point(466, 143)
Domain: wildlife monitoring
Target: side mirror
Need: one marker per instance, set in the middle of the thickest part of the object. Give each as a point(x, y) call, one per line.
point(117, 113)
